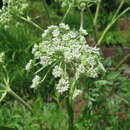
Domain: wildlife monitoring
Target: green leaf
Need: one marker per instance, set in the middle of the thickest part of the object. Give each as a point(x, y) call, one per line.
point(103, 82)
point(3, 95)
point(112, 76)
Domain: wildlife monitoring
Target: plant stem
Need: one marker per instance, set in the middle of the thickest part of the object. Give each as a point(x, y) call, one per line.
point(82, 18)
point(3, 95)
point(97, 11)
point(31, 22)
point(121, 62)
point(70, 115)
point(117, 11)
point(46, 9)
point(122, 13)
point(95, 20)
point(118, 96)
point(104, 33)
point(110, 24)
point(19, 99)
point(94, 28)
point(67, 12)
point(121, 98)
point(69, 103)
point(72, 88)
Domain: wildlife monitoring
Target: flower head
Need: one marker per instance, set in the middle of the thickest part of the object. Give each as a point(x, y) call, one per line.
point(29, 65)
point(57, 71)
point(35, 81)
point(59, 45)
point(2, 55)
point(63, 85)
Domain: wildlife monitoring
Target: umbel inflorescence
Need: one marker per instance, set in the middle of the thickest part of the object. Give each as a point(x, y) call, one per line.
point(11, 9)
point(68, 56)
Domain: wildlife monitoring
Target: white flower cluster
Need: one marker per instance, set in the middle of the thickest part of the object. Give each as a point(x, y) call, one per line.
point(63, 85)
point(29, 64)
point(57, 71)
point(2, 57)
point(12, 8)
point(68, 50)
point(35, 81)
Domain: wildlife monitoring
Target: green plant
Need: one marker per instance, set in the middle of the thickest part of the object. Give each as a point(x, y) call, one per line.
point(64, 66)
point(65, 54)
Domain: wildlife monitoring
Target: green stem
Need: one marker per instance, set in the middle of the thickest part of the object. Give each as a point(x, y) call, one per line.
point(93, 26)
point(104, 33)
point(4, 93)
point(19, 99)
point(70, 115)
point(82, 19)
point(117, 96)
point(97, 11)
point(117, 11)
point(46, 9)
point(121, 62)
point(122, 13)
point(110, 25)
point(121, 98)
point(72, 88)
point(67, 12)
point(31, 22)
point(95, 20)
point(70, 104)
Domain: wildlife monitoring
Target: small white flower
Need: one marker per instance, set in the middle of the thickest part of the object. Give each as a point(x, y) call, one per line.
point(62, 25)
point(45, 33)
point(65, 37)
point(63, 85)
point(83, 32)
point(56, 40)
point(76, 53)
point(82, 40)
point(76, 93)
point(37, 54)
point(35, 81)
point(81, 68)
point(92, 73)
point(45, 60)
point(57, 71)
point(10, 8)
point(52, 27)
point(73, 34)
point(101, 67)
point(56, 33)
point(91, 61)
point(29, 65)
point(35, 48)
point(93, 50)
point(68, 56)
point(2, 55)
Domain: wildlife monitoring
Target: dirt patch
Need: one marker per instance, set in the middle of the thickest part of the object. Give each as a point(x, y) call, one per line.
point(111, 51)
point(124, 24)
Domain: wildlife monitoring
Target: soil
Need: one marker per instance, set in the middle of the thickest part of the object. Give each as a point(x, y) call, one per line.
point(111, 52)
point(124, 24)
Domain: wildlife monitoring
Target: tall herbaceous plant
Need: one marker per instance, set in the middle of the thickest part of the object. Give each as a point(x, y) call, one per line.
point(62, 53)
point(66, 56)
